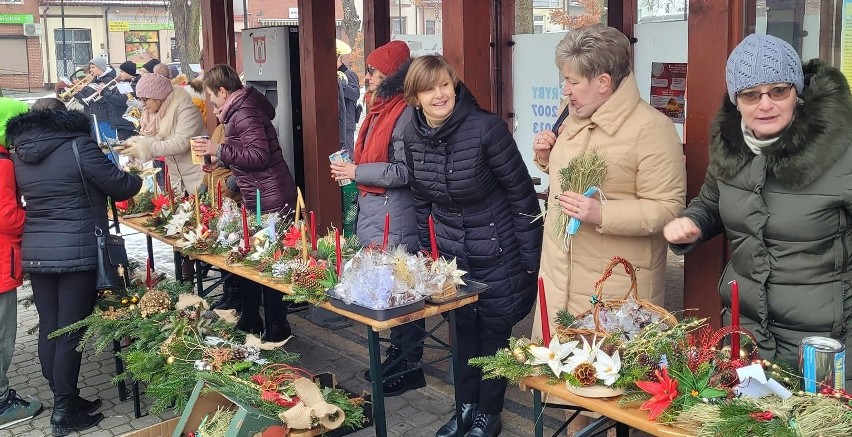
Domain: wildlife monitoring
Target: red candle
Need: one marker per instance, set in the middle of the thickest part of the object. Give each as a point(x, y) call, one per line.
point(245, 226)
point(219, 194)
point(338, 255)
point(432, 239)
point(313, 231)
point(387, 230)
point(542, 305)
point(735, 319)
point(168, 185)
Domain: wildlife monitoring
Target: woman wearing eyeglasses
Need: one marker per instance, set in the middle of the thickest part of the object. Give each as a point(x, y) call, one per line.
point(779, 185)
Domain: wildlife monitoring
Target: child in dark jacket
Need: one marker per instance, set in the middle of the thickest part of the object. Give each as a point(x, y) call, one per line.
point(13, 409)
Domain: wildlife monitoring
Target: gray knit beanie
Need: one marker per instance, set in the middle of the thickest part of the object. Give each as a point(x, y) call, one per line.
point(763, 59)
point(100, 62)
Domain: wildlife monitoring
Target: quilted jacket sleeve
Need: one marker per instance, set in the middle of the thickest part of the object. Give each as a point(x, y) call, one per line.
point(105, 175)
point(508, 166)
point(252, 151)
point(704, 211)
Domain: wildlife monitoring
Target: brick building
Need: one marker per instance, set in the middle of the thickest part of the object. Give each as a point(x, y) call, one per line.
point(19, 42)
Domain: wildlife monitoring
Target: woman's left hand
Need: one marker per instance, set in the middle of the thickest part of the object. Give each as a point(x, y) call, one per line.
point(578, 206)
point(340, 171)
point(203, 146)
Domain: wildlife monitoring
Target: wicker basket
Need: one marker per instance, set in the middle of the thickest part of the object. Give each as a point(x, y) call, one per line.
point(566, 334)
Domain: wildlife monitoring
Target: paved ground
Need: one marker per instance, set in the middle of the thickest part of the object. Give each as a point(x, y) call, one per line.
point(343, 352)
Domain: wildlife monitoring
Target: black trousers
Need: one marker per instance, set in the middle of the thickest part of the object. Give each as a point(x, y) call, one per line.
point(474, 340)
point(253, 294)
point(62, 299)
point(403, 336)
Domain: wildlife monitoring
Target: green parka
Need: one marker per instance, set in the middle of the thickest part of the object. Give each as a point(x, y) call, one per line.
point(788, 216)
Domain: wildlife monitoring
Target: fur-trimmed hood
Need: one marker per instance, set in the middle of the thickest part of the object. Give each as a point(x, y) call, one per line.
point(36, 134)
point(818, 135)
point(392, 85)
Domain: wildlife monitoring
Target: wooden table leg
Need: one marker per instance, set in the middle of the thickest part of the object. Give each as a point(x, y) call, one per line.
point(379, 419)
point(538, 420)
point(456, 361)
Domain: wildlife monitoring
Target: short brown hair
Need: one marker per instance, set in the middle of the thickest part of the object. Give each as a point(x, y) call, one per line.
point(595, 50)
point(424, 73)
point(222, 76)
point(47, 104)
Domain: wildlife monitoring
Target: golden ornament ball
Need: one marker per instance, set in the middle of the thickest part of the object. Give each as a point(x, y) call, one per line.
point(134, 299)
point(132, 307)
point(124, 301)
point(519, 354)
point(170, 360)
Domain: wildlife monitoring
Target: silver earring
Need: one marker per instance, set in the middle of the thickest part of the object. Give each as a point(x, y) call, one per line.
point(738, 107)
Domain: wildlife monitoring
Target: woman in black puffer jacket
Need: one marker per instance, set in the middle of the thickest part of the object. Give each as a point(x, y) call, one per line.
point(59, 248)
point(467, 173)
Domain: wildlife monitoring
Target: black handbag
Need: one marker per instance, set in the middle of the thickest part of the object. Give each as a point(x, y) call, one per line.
point(112, 256)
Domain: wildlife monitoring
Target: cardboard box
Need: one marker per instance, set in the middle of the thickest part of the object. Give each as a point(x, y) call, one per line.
point(162, 429)
point(247, 422)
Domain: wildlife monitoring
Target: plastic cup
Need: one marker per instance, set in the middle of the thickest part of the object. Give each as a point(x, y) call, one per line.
point(196, 158)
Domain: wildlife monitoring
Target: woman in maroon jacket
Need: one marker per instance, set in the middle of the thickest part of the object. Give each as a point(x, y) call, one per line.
point(252, 152)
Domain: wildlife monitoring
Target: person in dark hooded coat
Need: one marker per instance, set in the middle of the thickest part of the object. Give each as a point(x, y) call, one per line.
point(64, 203)
point(467, 173)
point(779, 186)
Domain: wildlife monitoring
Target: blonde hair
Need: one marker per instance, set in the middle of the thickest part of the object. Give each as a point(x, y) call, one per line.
point(424, 73)
point(595, 50)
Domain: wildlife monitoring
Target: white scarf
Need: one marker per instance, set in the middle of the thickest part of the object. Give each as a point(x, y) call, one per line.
point(756, 145)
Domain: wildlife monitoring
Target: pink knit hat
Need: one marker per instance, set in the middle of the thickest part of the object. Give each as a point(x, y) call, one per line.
point(153, 86)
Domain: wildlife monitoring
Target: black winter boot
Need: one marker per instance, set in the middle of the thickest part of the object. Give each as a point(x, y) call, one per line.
point(486, 425)
point(450, 429)
point(67, 416)
point(231, 299)
point(411, 380)
point(392, 354)
point(88, 407)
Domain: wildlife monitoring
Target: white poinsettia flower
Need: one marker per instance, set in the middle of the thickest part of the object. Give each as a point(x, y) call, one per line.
point(607, 367)
point(552, 355)
point(177, 222)
point(580, 356)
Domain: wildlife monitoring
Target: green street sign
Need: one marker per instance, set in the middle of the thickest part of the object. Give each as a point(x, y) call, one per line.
point(15, 18)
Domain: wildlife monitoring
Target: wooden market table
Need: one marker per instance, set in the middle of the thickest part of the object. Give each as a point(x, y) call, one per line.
point(625, 417)
point(447, 311)
point(138, 225)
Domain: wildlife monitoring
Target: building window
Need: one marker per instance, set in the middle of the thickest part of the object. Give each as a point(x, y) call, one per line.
point(551, 4)
point(429, 27)
point(538, 24)
point(77, 52)
point(398, 25)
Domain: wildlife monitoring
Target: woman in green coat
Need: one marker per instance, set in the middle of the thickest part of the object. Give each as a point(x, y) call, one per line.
point(779, 184)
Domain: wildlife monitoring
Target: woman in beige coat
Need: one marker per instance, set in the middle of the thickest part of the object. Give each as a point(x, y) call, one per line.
point(644, 189)
point(646, 176)
point(169, 120)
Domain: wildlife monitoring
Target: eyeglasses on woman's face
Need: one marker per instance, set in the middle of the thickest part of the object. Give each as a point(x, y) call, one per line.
point(776, 93)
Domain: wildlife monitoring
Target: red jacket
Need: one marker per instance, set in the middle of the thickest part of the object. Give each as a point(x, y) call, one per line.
point(12, 227)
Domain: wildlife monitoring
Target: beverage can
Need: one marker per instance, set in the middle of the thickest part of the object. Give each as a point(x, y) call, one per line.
point(822, 361)
point(341, 156)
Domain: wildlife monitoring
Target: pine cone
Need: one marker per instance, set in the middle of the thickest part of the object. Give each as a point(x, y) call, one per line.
point(234, 257)
point(585, 373)
point(114, 314)
point(201, 245)
point(154, 302)
point(646, 360)
point(305, 280)
point(189, 314)
point(609, 348)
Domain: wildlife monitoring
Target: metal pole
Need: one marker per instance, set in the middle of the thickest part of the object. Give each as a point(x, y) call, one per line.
point(64, 47)
point(245, 14)
point(399, 20)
